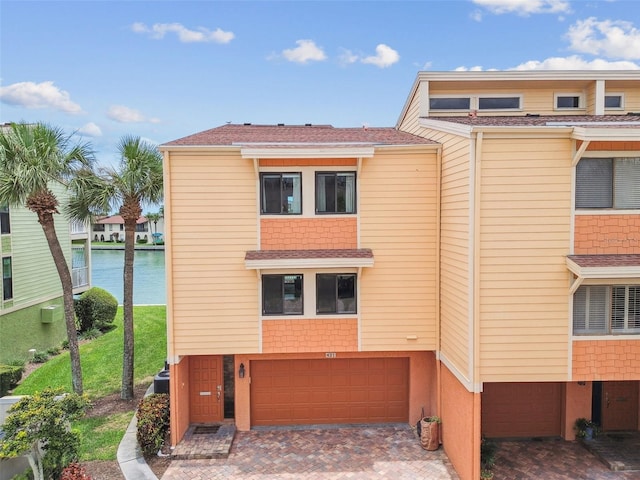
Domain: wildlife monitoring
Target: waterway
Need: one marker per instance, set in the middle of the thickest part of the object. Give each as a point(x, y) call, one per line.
point(107, 271)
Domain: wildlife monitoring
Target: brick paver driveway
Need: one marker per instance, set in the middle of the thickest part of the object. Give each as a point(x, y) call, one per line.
point(354, 453)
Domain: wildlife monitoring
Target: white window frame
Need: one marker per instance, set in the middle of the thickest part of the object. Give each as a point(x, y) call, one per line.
point(608, 307)
point(615, 94)
point(474, 102)
point(579, 95)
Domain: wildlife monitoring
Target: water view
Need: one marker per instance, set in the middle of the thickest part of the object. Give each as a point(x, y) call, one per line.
point(148, 275)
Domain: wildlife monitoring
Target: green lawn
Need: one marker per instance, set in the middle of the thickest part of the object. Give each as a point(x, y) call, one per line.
point(102, 375)
point(102, 358)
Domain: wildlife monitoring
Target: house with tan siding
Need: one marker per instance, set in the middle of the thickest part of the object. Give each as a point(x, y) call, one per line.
point(309, 295)
point(539, 251)
point(480, 261)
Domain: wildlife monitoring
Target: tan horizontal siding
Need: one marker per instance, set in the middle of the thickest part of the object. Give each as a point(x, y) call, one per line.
point(213, 224)
point(398, 199)
point(524, 238)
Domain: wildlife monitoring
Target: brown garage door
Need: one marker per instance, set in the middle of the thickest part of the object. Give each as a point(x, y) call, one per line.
point(521, 409)
point(350, 390)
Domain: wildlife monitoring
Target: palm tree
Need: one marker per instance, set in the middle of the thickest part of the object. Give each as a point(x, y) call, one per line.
point(137, 181)
point(32, 158)
point(155, 218)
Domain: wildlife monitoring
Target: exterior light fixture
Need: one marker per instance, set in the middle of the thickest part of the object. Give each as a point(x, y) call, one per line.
point(241, 371)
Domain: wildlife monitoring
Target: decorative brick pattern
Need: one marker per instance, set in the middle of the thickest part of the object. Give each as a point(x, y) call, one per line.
point(317, 335)
point(607, 234)
point(612, 146)
point(308, 233)
point(606, 360)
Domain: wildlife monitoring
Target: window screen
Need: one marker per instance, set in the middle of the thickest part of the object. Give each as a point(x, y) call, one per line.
point(594, 183)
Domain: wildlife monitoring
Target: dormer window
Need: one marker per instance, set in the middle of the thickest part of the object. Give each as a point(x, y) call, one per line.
point(450, 103)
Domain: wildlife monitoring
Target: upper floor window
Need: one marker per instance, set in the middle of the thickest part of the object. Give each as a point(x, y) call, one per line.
point(280, 193)
point(5, 224)
point(282, 295)
point(613, 101)
point(335, 293)
point(7, 279)
point(335, 192)
point(449, 103)
point(569, 101)
point(601, 309)
point(98, 227)
point(608, 183)
point(498, 103)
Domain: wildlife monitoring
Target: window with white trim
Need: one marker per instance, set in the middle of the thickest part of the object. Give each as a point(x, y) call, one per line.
point(5, 223)
point(280, 193)
point(335, 192)
point(449, 103)
point(608, 183)
point(282, 295)
point(614, 101)
point(569, 101)
point(336, 293)
point(604, 310)
point(7, 279)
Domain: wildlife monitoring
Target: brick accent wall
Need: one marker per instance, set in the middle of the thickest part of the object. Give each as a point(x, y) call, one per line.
point(607, 234)
point(308, 233)
point(606, 360)
point(307, 335)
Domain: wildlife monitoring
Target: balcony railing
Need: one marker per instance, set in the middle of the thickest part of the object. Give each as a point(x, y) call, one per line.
point(80, 277)
point(78, 228)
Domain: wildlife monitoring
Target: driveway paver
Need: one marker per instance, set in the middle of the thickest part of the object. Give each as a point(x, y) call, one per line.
point(354, 453)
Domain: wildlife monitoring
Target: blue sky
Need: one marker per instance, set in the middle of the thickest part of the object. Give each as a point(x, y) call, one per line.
point(165, 69)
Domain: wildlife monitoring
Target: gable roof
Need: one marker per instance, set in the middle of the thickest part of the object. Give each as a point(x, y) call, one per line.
point(298, 136)
point(117, 219)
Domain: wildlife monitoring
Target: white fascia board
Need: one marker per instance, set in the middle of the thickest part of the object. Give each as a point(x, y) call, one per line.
point(530, 75)
point(603, 272)
point(606, 134)
point(308, 152)
point(447, 127)
point(308, 263)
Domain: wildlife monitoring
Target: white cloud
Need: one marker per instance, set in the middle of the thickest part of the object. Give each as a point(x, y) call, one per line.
point(347, 57)
point(385, 57)
point(611, 38)
point(39, 95)
point(476, 68)
point(90, 130)
point(524, 7)
point(575, 62)
point(305, 52)
point(122, 114)
point(185, 35)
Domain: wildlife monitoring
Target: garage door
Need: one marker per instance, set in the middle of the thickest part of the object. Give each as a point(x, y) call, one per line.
point(521, 409)
point(354, 390)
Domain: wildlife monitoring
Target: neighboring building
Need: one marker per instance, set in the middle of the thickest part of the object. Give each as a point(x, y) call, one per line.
point(539, 251)
point(480, 261)
point(111, 229)
point(31, 306)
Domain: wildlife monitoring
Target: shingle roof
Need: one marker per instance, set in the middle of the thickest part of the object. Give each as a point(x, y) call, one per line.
point(600, 121)
point(306, 254)
point(299, 135)
point(590, 261)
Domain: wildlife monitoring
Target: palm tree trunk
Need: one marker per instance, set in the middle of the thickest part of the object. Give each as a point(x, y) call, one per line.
point(128, 353)
point(46, 221)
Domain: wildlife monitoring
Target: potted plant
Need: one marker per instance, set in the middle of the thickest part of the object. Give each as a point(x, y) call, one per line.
point(488, 451)
point(585, 428)
point(430, 432)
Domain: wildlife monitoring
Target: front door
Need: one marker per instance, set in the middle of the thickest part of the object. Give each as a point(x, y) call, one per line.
point(619, 406)
point(206, 390)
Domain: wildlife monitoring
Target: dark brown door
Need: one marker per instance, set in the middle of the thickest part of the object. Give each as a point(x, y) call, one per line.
point(206, 390)
point(350, 390)
point(619, 406)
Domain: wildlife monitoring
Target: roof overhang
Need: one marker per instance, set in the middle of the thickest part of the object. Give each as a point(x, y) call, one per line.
point(603, 267)
point(608, 134)
point(284, 259)
point(306, 151)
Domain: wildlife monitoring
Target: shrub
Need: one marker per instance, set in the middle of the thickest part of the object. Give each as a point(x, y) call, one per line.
point(153, 422)
point(40, 357)
point(142, 240)
point(96, 308)
point(53, 351)
point(90, 334)
point(10, 375)
point(74, 471)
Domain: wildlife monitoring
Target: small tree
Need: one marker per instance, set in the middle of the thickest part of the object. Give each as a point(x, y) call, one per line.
point(38, 427)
